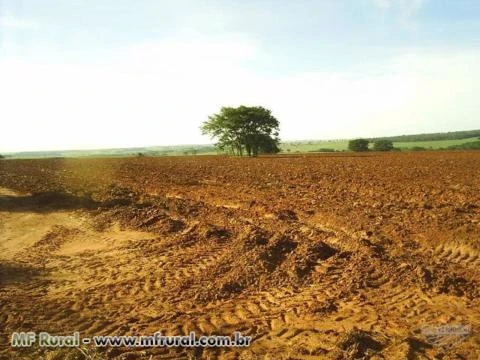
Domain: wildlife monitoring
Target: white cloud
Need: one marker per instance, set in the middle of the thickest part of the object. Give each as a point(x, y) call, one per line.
point(12, 22)
point(158, 93)
point(196, 54)
point(409, 6)
point(383, 4)
point(408, 11)
point(404, 11)
point(412, 5)
point(161, 92)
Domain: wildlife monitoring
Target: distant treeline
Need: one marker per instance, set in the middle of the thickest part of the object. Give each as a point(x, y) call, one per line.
point(454, 135)
point(138, 151)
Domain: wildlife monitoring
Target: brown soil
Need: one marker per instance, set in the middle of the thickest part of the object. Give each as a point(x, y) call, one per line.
point(315, 257)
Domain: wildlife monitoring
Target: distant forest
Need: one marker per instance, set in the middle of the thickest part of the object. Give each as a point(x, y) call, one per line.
point(454, 135)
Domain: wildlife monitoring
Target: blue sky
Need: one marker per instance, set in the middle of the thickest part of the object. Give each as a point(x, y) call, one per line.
point(93, 74)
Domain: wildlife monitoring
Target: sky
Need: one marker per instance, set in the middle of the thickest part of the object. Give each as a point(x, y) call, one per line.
point(88, 74)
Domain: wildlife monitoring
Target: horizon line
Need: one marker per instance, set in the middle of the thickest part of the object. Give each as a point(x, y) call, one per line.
point(212, 144)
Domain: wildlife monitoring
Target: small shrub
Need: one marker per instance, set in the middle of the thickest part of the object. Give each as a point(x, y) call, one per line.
point(323, 150)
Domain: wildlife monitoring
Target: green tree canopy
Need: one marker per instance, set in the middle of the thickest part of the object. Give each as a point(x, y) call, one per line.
point(358, 145)
point(244, 130)
point(382, 145)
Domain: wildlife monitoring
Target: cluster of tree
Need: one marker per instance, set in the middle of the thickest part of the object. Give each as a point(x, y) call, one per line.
point(244, 130)
point(358, 145)
point(382, 145)
point(378, 145)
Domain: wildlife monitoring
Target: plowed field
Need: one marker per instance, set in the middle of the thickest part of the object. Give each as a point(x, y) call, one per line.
point(315, 257)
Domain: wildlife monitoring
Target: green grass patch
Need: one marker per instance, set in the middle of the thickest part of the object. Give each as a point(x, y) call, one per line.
point(432, 144)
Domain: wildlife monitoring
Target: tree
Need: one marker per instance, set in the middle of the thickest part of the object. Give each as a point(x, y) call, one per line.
point(250, 130)
point(358, 145)
point(383, 145)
